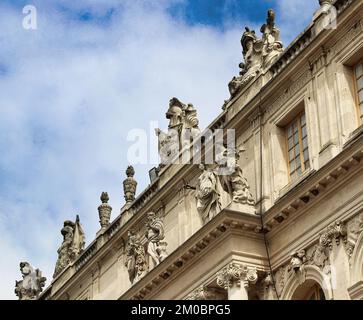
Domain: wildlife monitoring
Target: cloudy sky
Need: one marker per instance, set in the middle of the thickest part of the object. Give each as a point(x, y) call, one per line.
point(92, 71)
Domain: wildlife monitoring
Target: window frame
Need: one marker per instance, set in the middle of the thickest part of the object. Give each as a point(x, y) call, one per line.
point(297, 119)
point(357, 90)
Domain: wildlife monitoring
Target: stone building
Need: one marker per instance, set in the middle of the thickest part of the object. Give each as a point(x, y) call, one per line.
point(285, 223)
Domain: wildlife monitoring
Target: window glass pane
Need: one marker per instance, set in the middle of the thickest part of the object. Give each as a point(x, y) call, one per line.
point(297, 150)
point(361, 108)
point(291, 143)
point(303, 131)
point(360, 83)
point(292, 166)
point(289, 132)
point(296, 138)
point(291, 155)
point(305, 143)
point(306, 154)
point(359, 70)
point(361, 96)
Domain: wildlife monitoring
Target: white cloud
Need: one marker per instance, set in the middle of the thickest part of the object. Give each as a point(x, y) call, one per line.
point(71, 91)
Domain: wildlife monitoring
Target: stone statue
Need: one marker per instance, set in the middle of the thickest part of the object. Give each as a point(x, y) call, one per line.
point(32, 284)
point(130, 185)
point(156, 249)
point(235, 183)
point(258, 54)
point(208, 194)
point(252, 53)
point(182, 130)
point(72, 246)
point(135, 257)
point(272, 46)
point(104, 211)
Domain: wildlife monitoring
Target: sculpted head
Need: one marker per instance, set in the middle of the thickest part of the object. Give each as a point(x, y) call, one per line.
point(25, 268)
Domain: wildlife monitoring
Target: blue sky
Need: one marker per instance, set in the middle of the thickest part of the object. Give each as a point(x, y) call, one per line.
point(71, 91)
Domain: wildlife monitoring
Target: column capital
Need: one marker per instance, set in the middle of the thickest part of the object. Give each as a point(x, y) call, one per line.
point(236, 274)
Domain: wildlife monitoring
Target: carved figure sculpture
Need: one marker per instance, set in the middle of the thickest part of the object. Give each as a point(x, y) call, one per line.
point(72, 246)
point(258, 54)
point(235, 182)
point(32, 284)
point(135, 257)
point(156, 249)
point(182, 130)
point(208, 194)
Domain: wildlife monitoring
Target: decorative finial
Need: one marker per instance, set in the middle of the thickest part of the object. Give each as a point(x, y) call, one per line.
point(130, 185)
point(32, 284)
point(104, 211)
point(104, 197)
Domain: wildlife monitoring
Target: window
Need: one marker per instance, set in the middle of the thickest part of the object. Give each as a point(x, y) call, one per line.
point(359, 79)
point(297, 146)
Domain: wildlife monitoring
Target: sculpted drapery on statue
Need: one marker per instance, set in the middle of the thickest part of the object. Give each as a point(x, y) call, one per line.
point(182, 130)
point(72, 246)
point(135, 257)
point(258, 54)
point(156, 248)
point(234, 182)
point(208, 193)
point(32, 284)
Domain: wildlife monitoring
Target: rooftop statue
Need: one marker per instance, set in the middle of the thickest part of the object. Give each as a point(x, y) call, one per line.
point(182, 130)
point(32, 284)
point(258, 54)
point(72, 246)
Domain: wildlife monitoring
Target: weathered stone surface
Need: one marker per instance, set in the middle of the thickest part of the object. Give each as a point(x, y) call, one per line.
point(32, 284)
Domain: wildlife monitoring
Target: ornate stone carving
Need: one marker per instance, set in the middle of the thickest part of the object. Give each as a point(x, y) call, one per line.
point(130, 185)
point(208, 194)
point(32, 284)
point(325, 2)
point(252, 53)
point(156, 248)
point(135, 257)
point(258, 54)
point(182, 130)
point(297, 261)
point(236, 274)
point(272, 46)
point(104, 211)
point(235, 183)
point(72, 246)
point(317, 255)
point(336, 231)
point(354, 229)
point(204, 293)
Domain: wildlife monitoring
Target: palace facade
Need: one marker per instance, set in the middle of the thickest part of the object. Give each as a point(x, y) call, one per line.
point(285, 223)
